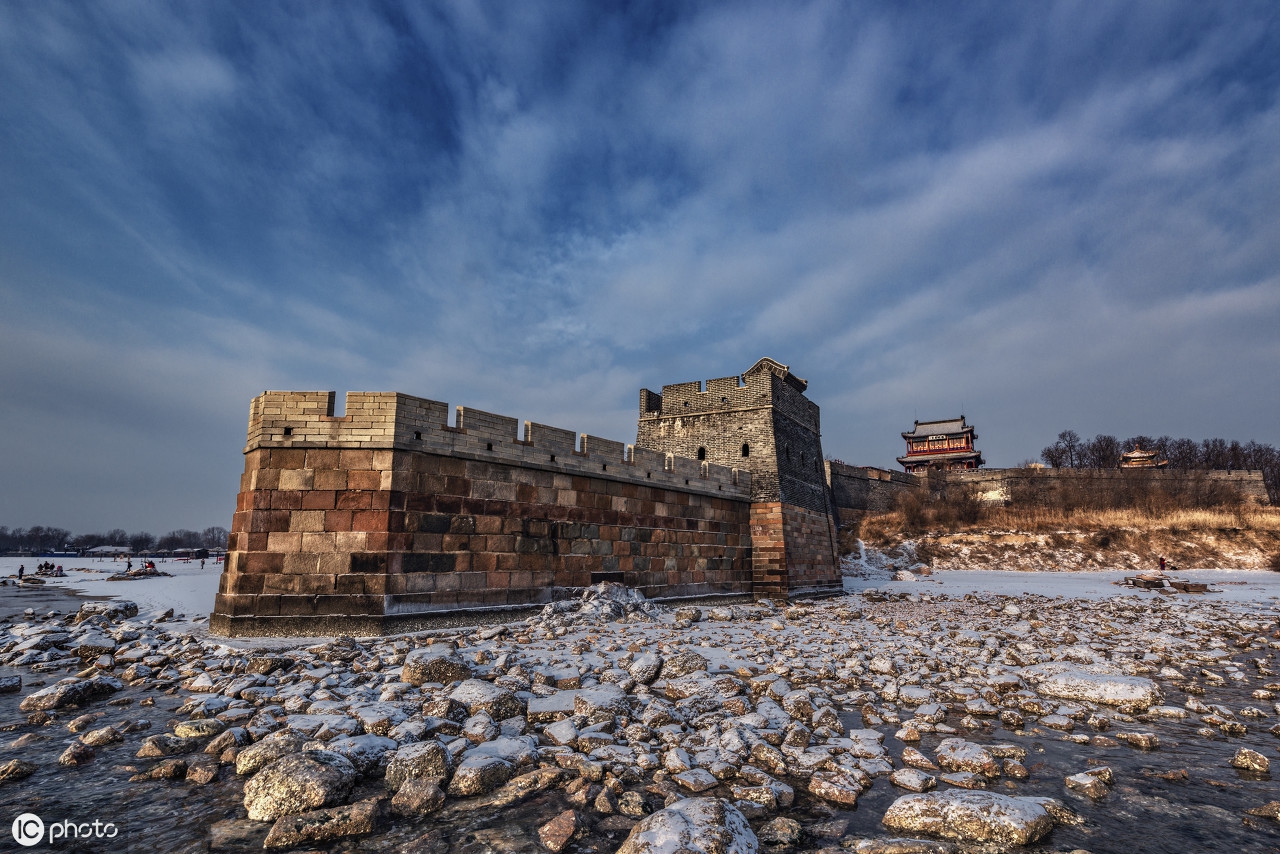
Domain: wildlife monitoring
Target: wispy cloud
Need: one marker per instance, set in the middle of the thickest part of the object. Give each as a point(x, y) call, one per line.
point(1052, 216)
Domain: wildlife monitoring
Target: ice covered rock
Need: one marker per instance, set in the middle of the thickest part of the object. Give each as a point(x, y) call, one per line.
point(67, 692)
point(1093, 684)
point(480, 696)
point(682, 664)
point(693, 826)
point(299, 783)
point(968, 816)
point(956, 754)
point(435, 663)
point(275, 746)
point(1250, 760)
point(423, 759)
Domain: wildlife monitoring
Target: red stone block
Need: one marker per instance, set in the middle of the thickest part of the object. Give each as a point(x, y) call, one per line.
point(252, 562)
point(318, 499)
point(322, 458)
point(337, 520)
point(286, 499)
point(369, 520)
point(364, 479)
point(352, 499)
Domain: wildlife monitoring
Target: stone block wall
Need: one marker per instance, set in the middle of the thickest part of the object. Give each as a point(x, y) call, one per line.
point(858, 490)
point(386, 517)
point(762, 421)
point(793, 551)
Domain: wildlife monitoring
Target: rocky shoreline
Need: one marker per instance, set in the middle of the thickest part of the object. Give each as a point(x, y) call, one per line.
point(878, 722)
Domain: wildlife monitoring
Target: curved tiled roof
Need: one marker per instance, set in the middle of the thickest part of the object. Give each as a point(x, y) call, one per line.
point(924, 429)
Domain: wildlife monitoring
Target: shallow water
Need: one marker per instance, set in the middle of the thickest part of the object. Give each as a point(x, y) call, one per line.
point(1142, 812)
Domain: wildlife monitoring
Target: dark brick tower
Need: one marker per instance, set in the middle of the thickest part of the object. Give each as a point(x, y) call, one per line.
point(760, 421)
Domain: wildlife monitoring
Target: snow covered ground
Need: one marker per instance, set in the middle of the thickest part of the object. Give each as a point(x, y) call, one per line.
point(189, 592)
point(875, 569)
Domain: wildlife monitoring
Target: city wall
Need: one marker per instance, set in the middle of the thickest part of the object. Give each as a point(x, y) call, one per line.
point(387, 518)
point(858, 490)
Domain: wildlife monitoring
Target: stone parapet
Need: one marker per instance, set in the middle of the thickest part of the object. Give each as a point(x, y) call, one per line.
point(395, 421)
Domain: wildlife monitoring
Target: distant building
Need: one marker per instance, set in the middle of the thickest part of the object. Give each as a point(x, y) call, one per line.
point(944, 445)
point(1140, 459)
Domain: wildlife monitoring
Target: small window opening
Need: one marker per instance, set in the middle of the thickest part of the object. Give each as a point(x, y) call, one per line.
point(746, 449)
point(724, 400)
point(702, 453)
point(648, 474)
point(604, 466)
point(288, 431)
point(417, 434)
point(488, 446)
point(553, 458)
point(686, 403)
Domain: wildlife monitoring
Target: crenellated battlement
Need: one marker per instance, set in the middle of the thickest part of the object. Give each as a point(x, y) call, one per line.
point(395, 421)
point(389, 517)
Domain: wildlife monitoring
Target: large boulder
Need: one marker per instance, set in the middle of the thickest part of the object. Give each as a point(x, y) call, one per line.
point(480, 696)
point(479, 774)
point(971, 816)
point(67, 692)
point(436, 663)
point(299, 783)
point(683, 664)
point(112, 609)
point(275, 746)
point(428, 760)
point(956, 754)
point(1093, 684)
point(323, 825)
point(693, 826)
point(368, 753)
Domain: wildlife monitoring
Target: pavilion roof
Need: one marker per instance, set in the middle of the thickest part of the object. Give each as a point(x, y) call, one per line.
point(924, 429)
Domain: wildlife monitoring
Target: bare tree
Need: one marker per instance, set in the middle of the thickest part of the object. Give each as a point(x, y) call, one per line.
point(1102, 452)
point(1071, 446)
point(142, 541)
point(214, 538)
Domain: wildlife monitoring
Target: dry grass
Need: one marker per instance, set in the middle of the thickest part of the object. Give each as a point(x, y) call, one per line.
point(1032, 537)
point(1046, 519)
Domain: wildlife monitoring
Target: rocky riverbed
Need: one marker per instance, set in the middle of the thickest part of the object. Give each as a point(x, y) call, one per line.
point(874, 722)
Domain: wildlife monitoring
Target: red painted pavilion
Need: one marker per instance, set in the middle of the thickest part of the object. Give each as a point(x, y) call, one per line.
point(942, 445)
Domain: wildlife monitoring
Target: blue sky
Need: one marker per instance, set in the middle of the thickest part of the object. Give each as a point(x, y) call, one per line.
point(1052, 215)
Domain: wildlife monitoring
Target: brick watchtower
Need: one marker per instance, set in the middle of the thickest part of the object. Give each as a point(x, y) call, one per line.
point(760, 421)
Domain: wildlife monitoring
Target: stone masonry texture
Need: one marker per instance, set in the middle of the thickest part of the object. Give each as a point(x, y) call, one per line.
point(366, 522)
point(387, 516)
point(763, 422)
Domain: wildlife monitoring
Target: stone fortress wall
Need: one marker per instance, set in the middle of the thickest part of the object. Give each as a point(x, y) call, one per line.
point(858, 490)
point(389, 518)
point(385, 516)
point(761, 420)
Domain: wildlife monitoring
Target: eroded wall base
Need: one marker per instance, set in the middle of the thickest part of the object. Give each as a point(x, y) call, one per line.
point(793, 551)
point(369, 541)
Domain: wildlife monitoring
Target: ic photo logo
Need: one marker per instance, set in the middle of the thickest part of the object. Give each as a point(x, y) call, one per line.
point(28, 829)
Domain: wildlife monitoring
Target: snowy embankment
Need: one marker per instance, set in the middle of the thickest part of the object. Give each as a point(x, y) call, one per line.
point(188, 590)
